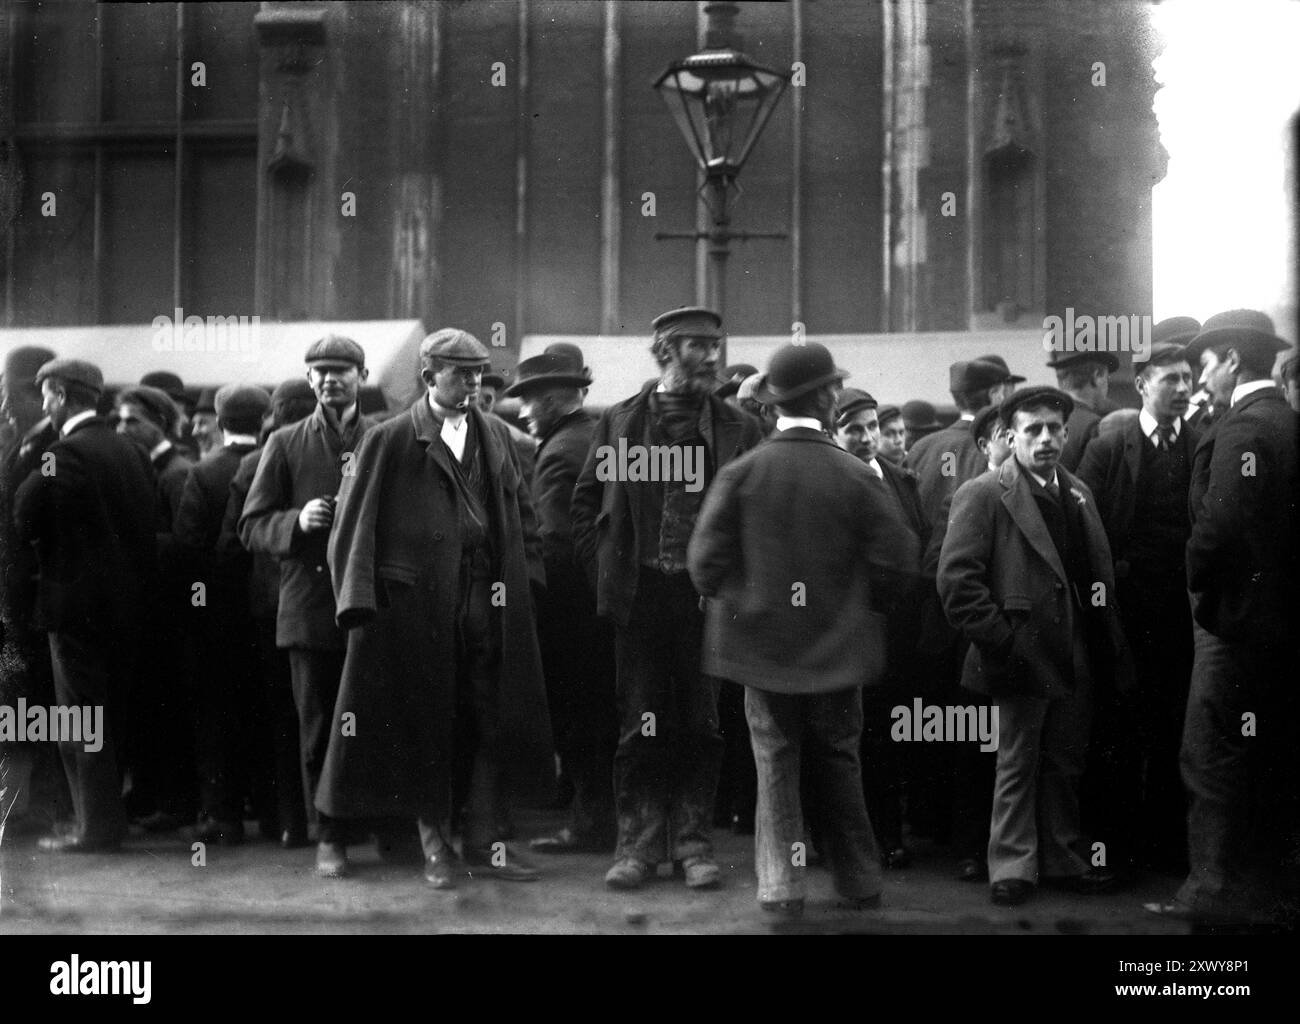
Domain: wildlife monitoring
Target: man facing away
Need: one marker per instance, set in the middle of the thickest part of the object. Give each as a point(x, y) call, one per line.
point(785, 550)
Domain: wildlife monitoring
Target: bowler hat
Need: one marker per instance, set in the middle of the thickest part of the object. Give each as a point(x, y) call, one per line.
point(494, 379)
point(795, 370)
point(22, 364)
point(558, 368)
point(997, 360)
point(919, 416)
point(853, 401)
point(155, 403)
point(1249, 331)
point(334, 348)
point(980, 425)
point(1057, 360)
point(454, 346)
point(1175, 330)
point(72, 371)
point(292, 390)
point(167, 382)
point(241, 402)
point(1033, 397)
point(976, 375)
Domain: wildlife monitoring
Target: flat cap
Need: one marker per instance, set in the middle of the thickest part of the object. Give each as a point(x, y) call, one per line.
point(166, 381)
point(695, 321)
point(334, 348)
point(1249, 331)
point(23, 362)
point(154, 402)
point(975, 375)
point(1032, 398)
point(1057, 360)
point(997, 360)
point(1162, 352)
point(853, 401)
point(889, 412)
point(983, 419)
point(73, 371)
point(292, 390)
point(919, 414)
point(241, 401)
point(454, 346)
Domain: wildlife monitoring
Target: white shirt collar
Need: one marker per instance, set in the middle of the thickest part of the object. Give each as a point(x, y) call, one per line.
point(787, 422)
point(969, 417)
point(72, 421)
point(453, 418)
point(1242, 390)
point(160, 448)
point(227, 438)
point(874, 466)
point(1043, 480)
point(1149, 426)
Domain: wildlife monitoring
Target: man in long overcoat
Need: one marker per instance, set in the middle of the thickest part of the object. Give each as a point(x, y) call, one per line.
point(434, 558)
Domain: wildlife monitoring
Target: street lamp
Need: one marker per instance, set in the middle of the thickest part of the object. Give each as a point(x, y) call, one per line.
point(721, 101)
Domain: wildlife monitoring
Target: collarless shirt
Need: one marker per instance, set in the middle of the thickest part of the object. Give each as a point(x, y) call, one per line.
point(1151, 429)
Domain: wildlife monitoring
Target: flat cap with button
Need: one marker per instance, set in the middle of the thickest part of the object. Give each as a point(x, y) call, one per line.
point(72, 371)
point(334, 348)
point(454, 346)
point(241, 401)
point(1035, 397)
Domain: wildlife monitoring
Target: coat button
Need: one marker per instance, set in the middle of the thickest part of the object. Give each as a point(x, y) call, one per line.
point(320, 568)
point(437, 535)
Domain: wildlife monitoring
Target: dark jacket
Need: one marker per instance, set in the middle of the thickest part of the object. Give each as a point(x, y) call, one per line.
point(560, 456)
point(1243, 557)
point(203, 509)
point(942, 462)
point(1004, 586)
point(607, 515)
point(93, 525)
point(1082, 428)
point(787, 544)
point(302, 461)
point(1111, 468)
point(264, 570)
point(394, 553)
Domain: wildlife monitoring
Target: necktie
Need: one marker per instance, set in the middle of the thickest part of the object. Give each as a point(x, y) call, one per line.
point(1053, 489)
point(1165, 437)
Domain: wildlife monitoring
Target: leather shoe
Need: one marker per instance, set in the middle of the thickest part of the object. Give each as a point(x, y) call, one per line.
point(971, 869)
point(786, 910)
point(331, 860)
point(568, 841)
point(1011, 892)
point(223, 833)
point(77, 844)
point(628, 873)
point(501, 861)
point(293, 839)
point(701, 873)
point(441, 869)
point(1092, 882)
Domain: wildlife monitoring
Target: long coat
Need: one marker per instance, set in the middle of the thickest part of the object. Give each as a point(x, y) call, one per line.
point(607, 515)
point(394, 555)
point(788, 542)
point(943, 461)
point(560, 456)
point(1111, 468)
point(302, 461)
point(1243, 557)
point(1001, 581)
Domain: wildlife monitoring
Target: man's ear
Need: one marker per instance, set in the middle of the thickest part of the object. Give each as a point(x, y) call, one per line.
point(364, 374)
point(427, 375)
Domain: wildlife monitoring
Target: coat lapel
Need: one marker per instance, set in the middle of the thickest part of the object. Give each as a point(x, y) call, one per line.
point(1133, 441)
point(1019, 501)
point(427, 433)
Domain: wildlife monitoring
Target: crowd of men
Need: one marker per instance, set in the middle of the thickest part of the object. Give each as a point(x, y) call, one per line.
point(352, 627)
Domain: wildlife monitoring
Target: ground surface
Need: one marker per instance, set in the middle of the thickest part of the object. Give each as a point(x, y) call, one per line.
point(152, 887)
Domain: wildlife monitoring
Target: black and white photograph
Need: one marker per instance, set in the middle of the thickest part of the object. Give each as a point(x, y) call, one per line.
point(571, 468)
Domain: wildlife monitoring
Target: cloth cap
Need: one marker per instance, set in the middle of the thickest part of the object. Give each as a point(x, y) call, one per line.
point(155, 403)
point(980, 425)
point(72, 371)
point(241, 402)
point(853, 401)
point(1040, 394)
point(334, 348)
point(919, 415)
point(889, 412)
point(696, 321)
point(454, 346)
point(292, 390)
point(168, 382)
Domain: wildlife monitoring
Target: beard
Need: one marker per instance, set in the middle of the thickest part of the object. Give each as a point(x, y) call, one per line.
point(678, 380)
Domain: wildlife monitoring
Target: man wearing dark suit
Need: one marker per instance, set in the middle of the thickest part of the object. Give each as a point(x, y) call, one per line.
point(288, 515)
point(1085, 377)
point(163, 790)
point(1243, 570)
point(946, 459)
point(1025, 573)
point(89, 517)
point(577, 646)
point(228, 701)
point(857, 431)
point(26, 649)
point(788, 546)
point(631, 533)
point(1140, 475)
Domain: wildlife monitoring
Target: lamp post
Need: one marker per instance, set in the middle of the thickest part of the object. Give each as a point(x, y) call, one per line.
point(721, 101)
